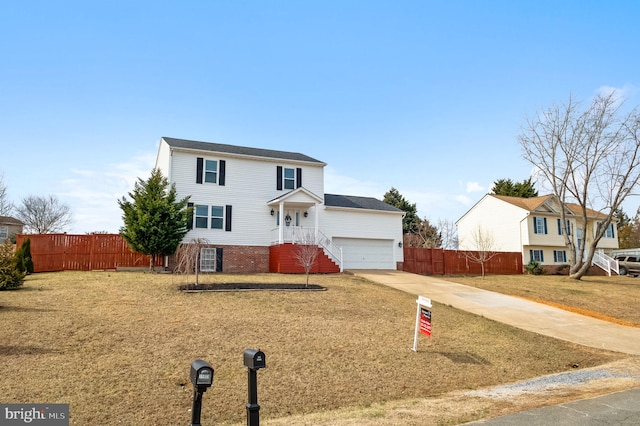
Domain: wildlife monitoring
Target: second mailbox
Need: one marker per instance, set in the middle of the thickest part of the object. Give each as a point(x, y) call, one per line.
point(254, 359)
point(201, 374)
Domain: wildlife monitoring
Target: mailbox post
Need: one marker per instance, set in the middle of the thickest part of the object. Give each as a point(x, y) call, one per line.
point(254, 360)
point(202, 378)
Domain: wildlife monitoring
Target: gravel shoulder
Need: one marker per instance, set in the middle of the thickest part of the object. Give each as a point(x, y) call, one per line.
point(472, 405)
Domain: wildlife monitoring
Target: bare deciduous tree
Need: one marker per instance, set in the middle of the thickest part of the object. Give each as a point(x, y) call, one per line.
point(448, 233)
point(6, 206)
point(485, 248)
point(590, 157)
point(188, 257)
point(44, 215)
point(306, 251)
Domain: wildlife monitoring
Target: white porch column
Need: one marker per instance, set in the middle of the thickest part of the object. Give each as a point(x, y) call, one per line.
point(317, 211)
point(281, 223)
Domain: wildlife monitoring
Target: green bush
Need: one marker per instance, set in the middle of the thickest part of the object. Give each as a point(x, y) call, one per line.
point(23, 257)
point(10, 276)
point(534, 267)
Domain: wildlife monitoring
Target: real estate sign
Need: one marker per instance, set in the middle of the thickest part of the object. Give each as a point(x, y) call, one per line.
point(423, 320)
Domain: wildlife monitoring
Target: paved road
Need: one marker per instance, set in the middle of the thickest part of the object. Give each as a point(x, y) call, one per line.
point(622, 408)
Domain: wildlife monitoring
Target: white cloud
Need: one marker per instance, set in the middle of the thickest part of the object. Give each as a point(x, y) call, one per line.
point(620, 93)
point(474, 187)
point(93, 195)
point(335, 183)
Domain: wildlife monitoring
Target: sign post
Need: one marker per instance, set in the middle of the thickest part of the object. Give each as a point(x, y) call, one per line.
point(423, 320)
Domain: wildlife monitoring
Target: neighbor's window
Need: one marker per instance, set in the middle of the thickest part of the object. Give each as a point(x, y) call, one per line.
point(560, 256)
point(609, 232)
point(537, 255)
point(539, 225)
point(289, 178)
point(202, 217)
point(210, 171)
point(208, 259)
point(217, 217)
point(4, 233)
point(560, 231)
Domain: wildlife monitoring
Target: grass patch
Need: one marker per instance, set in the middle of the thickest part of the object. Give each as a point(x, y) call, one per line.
point(117, 347)
point(608, 298)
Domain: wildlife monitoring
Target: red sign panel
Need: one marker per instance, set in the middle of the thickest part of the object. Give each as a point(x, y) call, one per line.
point(425, 321)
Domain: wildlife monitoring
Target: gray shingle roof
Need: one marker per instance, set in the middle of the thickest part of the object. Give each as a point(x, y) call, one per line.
point(353, 202)
point(240, 150)
point(8, 220)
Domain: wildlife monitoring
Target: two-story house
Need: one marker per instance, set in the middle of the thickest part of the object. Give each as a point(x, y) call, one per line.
point(253, 205)
point(531, 226)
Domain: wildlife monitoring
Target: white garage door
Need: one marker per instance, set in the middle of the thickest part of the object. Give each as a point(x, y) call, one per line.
point(360, 253)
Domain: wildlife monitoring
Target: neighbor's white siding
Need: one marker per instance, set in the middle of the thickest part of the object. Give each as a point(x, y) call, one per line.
point(502, 221)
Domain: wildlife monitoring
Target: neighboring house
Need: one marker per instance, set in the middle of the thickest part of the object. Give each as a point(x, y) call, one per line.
point(9, 227)
point(532, 226)
point(251, 204)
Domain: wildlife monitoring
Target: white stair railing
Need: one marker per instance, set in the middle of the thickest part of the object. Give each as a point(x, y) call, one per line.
point(605, 262)
point(330, 248)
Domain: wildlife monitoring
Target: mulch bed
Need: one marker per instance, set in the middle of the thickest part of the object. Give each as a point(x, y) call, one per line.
point(250, 287)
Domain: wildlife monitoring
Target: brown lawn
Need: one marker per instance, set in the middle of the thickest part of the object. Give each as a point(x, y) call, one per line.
point(118, 346)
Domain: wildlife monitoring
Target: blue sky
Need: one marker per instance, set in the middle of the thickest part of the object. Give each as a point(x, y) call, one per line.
point(424, 96)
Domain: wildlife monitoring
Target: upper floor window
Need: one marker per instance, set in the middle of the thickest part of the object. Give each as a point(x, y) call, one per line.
point(560, 230)
point(609, 232)
point(288, 178)
point(539, 225)
point(210, 171)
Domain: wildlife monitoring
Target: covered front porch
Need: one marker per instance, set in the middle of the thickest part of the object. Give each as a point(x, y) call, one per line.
point(296, 217)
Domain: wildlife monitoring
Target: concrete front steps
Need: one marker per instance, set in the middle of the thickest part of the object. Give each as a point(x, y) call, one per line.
point(282, 259)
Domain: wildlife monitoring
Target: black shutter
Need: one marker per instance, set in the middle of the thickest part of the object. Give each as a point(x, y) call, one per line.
point(298, 177)
point(218, 259)
point(227, 223)
point(190, 220)
point(222, 170)
point(279, 178)
point(199, 168)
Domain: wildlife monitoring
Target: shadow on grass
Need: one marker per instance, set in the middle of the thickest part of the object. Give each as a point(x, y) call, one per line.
point(465, 358)
point(26, 350)
point(5, 308)
point(250, 287)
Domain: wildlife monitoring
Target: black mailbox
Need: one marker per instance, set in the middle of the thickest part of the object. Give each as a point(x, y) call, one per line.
point(254, 359)
point(201, 374)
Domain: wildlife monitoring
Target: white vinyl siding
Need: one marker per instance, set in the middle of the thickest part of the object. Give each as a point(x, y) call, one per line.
point(249, 186)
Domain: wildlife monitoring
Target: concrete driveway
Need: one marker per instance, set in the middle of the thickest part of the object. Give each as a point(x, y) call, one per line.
point(521, 313)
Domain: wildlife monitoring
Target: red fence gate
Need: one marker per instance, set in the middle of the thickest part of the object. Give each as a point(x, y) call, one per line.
point(436, 261)
point(63, 252)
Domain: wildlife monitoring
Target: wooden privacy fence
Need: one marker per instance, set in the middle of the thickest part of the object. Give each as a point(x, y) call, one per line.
point(435, 261)
point(63, 252)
